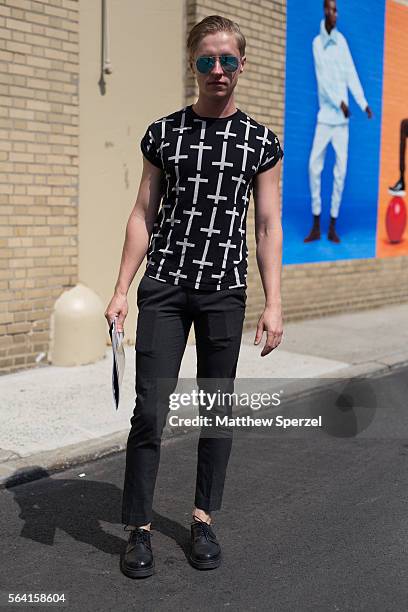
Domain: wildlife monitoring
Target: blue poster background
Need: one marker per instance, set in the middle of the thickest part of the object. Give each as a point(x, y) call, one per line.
point(363, 26)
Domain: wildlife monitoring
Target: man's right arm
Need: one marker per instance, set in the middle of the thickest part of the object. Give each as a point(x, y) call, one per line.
point(138, 230)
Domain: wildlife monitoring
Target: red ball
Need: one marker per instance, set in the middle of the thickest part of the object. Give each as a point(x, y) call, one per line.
point(396, 219)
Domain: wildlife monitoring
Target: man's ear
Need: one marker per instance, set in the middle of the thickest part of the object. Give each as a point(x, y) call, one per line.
point(243, 61)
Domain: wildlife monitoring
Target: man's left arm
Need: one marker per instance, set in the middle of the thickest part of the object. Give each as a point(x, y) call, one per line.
point(353, 81)
point(268, 235)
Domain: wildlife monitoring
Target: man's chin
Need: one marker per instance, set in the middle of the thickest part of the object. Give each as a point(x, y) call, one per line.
point(217, 92)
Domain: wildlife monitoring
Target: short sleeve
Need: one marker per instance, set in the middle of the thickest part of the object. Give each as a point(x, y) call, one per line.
point(273, 152)
point(149, 147)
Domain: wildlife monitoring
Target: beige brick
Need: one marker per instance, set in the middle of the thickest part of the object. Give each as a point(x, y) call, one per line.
point(38, 190)
point(18, 47)
point(21, 157)
point(71, 5)
point(5, 10)
point(38, 126)
point(41, 19)
point(5, 34)
point(6, 363)
point(6, 230)
point(18, 328)
point(56, 54)
point(39, 62)
point(53, 10)
point(15, 24)
point(6, 317)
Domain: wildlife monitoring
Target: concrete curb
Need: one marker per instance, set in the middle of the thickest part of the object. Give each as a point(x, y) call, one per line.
point(18, 470)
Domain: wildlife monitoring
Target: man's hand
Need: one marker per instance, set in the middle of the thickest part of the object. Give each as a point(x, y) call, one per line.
point(345, 109)
point(117, 307)
point(271, 322)
point(369, 112)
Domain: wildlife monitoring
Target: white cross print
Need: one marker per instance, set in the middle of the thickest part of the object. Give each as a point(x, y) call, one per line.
point(166, 249)
point(240, 179)
point(157, 275)
point(219, 276)
point(172, 220)
point(164, 206)
point(185, 244)
point(234, 213)
point(151, 140)
point(203, 262)
point(177, 275)
point(200, 148)
point(228, 245)
point(160, 150)
point(238, 280)
point(154, 236)
point(197, 180)
point(177, 156)
point(157, 235)
point(223, 163)
point(178, 189)
point(202, 129)
point(246, 148)
point(264, 138)
point(227, 132)
point(191, 213)
point(163, 126)
point(182, 127)
point(237, 261)
point(217, 195)
point(210, 230)
point(168, 176)
point(245, 196)
point(248, 126)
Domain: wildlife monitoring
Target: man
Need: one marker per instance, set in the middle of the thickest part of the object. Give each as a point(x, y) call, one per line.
point(335, 74)
point(204, 160)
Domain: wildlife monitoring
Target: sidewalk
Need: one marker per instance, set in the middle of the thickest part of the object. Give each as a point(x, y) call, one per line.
point(52, 417)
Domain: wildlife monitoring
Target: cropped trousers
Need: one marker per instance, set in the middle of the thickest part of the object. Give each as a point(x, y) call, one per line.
point(166, 313)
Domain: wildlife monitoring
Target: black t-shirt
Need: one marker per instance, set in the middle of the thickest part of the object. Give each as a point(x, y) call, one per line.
point(199, 237)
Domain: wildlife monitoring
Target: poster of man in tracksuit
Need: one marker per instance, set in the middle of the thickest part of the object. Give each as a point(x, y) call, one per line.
point(335, 74)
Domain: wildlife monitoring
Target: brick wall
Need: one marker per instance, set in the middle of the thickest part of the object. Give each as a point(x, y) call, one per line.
point(38, 170)
point(312, 289)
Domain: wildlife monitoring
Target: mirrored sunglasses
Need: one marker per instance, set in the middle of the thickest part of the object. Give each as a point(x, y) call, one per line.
point(205, 63)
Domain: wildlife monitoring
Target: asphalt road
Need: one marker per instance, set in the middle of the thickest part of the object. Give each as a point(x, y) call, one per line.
point(312, 519)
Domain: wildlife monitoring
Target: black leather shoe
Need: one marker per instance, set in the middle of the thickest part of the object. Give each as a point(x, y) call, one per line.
point(137, 560)
point(205, 549)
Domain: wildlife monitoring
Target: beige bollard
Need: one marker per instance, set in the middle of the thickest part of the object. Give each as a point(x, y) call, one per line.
point(78, 328)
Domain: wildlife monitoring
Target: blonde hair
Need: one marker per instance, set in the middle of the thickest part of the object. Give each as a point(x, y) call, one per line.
point(211, 25)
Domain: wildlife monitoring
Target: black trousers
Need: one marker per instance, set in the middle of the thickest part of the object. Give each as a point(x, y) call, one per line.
point(166, 313)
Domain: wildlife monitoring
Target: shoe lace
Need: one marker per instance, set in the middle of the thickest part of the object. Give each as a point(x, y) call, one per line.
point(139, 535)
point(202, 529)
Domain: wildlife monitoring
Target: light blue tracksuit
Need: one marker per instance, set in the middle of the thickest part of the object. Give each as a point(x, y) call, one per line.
point(335, 74)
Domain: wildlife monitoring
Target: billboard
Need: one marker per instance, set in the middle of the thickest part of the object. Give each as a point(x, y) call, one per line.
point(346, 124)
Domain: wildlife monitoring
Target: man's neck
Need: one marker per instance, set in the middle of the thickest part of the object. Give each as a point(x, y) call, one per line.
point(328, 27)
point(209, 108)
